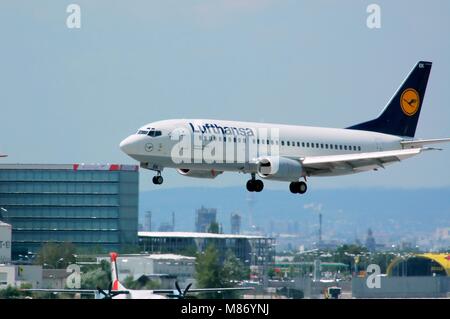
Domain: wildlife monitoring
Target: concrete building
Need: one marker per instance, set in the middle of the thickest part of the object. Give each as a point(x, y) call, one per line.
point(251, 250)
point(148, 221)
point(235, 223)
point(204, 218)
point(159, 267)
point(5, 243)
point(54, 278)
point(16, 275)
point(92, 206)
point(430, 264)
point(416, 276)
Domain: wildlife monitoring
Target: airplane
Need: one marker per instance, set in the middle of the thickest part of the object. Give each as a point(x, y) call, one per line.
point(117, 291)
point(206, 148)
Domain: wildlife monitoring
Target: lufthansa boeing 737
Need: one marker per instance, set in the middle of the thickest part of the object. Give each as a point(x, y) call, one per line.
point(206, 148)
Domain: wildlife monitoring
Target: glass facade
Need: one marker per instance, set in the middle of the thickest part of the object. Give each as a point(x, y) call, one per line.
point(95, 208)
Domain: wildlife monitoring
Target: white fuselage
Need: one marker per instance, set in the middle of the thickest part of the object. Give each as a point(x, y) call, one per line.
point(243, 142)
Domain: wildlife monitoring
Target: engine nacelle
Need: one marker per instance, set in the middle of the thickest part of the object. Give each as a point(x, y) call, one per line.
point(279, 168)
point(199, 173)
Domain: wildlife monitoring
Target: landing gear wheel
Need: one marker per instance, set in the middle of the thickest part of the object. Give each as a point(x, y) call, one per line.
point(259, 185)
point(298, 187)
point(251, 185)
point(293, 187)
point(302, 187)
point(158, 180)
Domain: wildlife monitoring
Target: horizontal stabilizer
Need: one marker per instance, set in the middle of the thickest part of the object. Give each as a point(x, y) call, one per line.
point(421, 143)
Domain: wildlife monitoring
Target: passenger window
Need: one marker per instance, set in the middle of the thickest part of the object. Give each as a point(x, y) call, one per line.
point(345, 147)
point(268, 142)
point(321, 145)
point(340, 147)
point(234, 139)
point(326, 146)
point(331, 146)
point(317, 145)
point(288, 143)
point(359, 148)
point(303, 144)
point(257, 140)
point(312, 145)
point(282, 143)
point(298, 144)
point(307, 144)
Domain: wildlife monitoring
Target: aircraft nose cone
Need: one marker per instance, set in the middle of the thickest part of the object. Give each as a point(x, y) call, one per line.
point(129, 145)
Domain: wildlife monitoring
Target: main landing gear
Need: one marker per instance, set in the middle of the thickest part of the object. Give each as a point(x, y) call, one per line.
point(298, 187)
point(255, 185)
point(158, 179)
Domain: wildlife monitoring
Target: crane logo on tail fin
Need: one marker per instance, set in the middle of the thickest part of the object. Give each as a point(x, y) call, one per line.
point(410, 101)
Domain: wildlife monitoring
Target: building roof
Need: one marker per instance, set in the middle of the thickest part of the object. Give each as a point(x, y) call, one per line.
point(55, 273)
point(4, 224)
point(72, 167)
point(196, 235)
point(169, 256)
point(156, 256)
point(443, 259)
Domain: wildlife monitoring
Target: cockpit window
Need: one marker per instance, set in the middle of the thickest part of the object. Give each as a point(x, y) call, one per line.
point(142, 132)
point(154, 133)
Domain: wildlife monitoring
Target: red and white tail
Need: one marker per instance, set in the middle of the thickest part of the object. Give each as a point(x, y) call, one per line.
point(114, 273)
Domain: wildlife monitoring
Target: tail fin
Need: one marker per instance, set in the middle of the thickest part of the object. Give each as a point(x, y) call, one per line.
point(401, 114)
point(114, 273)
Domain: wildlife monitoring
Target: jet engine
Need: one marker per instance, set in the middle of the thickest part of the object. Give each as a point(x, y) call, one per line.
point(279, 168)
point(199, 173)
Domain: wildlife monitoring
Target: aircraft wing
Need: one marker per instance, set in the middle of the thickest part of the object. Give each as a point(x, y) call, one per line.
point(3, 155)
point(329, 164)
point(421, 143)
point(72, 291)
point(194, 290)
point(219, 289)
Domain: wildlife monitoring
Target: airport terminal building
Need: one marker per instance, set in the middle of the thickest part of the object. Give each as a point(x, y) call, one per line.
point(91, 206)
point(251, 250)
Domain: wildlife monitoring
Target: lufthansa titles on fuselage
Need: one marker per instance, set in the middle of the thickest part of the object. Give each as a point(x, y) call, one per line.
point(216, 129)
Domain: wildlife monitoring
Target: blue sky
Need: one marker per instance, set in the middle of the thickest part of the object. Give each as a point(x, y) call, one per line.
point(70, 96)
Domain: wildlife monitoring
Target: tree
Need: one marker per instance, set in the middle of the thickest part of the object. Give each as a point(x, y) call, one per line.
point(208, 270)
point(211, 274)
point(233, 271)
point(11, 292)
point(97, 277)
point(214, 228)
point(55, 255)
